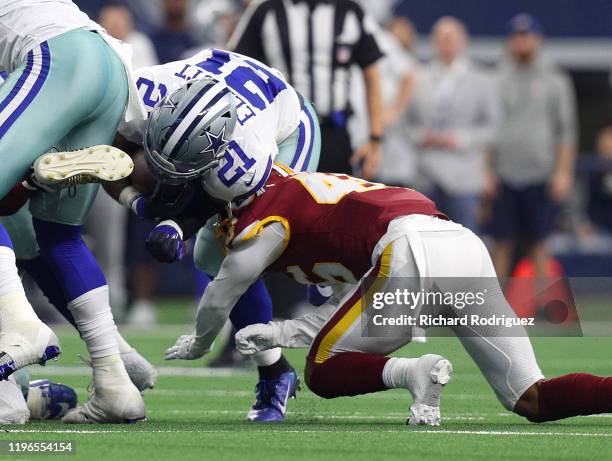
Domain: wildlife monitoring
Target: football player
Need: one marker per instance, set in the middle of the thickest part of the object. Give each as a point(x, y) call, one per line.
point(224, 117)
point(365, 238)
point(21, 230)
point(22, 400)
point(68, 86)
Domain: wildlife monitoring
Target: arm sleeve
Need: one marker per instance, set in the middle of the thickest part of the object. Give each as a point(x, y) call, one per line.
point(247, 38)
point(301, 332)
point(240, 269)
point(368, 50)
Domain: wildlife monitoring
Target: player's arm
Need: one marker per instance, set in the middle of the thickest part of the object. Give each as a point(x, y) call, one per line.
point(240, 269)
point(293, 334)
point(126, 191)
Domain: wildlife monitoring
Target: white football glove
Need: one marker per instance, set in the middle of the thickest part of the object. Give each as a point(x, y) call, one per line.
point(186, 348)
point(258, 337)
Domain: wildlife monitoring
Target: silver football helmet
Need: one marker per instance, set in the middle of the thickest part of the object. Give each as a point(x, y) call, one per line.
point(188, 131)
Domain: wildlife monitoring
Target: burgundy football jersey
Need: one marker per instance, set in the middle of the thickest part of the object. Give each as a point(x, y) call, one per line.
point(333, 222)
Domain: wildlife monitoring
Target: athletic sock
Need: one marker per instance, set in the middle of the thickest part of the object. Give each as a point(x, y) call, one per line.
point(276, 368)
point(94, 319)
point(109, 372)
point(573, 395)
point(347, 374)
point(397, 371)
point(14, 306)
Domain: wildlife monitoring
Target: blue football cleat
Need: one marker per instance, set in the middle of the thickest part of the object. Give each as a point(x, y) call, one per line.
point(47, 400)
point(271, 396)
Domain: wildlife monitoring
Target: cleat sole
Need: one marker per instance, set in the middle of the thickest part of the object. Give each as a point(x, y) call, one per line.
point(93, 164)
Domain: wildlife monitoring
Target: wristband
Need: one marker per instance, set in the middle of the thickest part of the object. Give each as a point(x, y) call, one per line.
point(128, 196)
point(375, 138)
point(174, 225)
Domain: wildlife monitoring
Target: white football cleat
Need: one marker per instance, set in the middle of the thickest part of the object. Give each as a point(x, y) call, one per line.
point(82, 166)
point(141, 372)
point(24, 344)
point(114, 398)
point(432, 372)
point(119, 404)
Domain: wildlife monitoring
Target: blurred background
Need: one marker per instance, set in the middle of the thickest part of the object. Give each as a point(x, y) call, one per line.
point(500, 112)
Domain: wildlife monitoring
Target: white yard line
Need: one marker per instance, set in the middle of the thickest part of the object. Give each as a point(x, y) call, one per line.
point(201, 372)
point(333, 416)
point(311, 431)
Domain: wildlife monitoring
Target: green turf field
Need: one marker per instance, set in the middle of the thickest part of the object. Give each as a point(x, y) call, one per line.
point(195, 414)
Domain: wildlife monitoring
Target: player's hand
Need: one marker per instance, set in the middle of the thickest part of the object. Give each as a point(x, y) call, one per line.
point(257, 338)
point(369, 157)
point(165, 242)
point(186, 348)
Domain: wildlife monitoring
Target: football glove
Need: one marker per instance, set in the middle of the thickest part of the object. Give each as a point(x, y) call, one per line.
point(258, 337)
point(165, 242)
point(186, 348)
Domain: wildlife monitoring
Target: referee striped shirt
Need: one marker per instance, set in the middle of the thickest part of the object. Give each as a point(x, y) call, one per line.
point(313, 42)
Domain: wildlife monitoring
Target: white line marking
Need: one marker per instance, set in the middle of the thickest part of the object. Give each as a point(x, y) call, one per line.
point(202, 372)
point(348, 416)
point(312, 431)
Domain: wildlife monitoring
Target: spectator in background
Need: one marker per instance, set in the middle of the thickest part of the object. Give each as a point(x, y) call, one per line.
point(452, 120)
point(534, 154)
point(398, 69)
point(116, 18)
point(600, 184)
point(173, 38)
point(315, 43)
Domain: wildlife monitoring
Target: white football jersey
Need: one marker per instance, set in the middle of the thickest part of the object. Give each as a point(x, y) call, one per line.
point(24, 24)
point(268, 108)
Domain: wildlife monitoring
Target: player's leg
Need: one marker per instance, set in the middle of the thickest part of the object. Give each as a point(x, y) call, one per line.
point(57, 86)
point(505, 355)
point(58, 219)
point(21, 231)
point(24, 339)
point(13, 406)
point(16, 95)
point(62, 74)
point(345, 360)
point(255, 306)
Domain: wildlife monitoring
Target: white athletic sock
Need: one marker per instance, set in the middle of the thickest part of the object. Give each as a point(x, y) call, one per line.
point(109, 372)
point(94, 319)
point(397, 371)
point(267, 358)
point(123, 345)
point(14, 306)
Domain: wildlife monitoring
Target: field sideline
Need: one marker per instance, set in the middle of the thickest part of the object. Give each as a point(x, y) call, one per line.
point(197, 414)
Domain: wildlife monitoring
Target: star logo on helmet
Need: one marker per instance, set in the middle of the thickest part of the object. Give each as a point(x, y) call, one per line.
point(216, 143)
point(168, 103)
